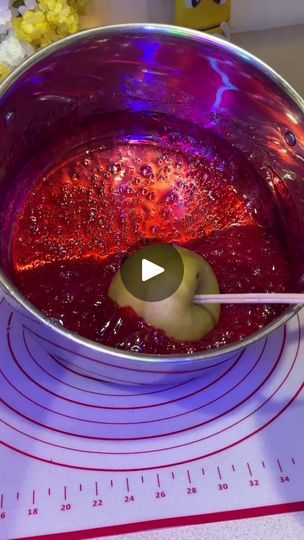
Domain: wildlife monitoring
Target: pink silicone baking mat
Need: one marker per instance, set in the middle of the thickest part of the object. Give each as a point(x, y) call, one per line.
point(89, 458)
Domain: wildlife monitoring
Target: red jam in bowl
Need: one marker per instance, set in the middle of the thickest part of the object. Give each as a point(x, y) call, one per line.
point(94, 198)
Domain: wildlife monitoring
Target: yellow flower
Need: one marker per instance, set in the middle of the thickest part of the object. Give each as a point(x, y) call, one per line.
point(4, 71)
point(31, 27)
point(53, 20)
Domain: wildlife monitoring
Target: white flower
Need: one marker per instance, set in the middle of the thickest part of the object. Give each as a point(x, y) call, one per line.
point(22, 10)
point(4, 5)
point(13, 52)
point(31, 4)
point(5, 16)
point(28, 5)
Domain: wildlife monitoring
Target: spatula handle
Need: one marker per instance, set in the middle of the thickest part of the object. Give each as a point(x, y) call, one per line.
point(250, 298)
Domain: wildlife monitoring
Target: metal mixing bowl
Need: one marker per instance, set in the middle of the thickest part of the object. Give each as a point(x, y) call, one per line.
point(186, 74)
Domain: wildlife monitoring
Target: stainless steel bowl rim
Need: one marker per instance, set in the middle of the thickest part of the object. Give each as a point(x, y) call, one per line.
point(186, 34)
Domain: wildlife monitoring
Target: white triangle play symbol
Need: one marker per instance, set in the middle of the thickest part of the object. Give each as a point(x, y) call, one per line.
point(150, 269)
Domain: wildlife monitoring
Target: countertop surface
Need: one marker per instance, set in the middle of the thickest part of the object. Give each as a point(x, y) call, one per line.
point(282, 527)
point(281, 48)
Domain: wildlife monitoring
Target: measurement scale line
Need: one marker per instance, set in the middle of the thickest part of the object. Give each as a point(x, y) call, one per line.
point(263, 464)
point(111, 483)
point(65, 493)
point(233, 468)
point(293, 461)
point(279, 465)
point(189, 477)
point(249, 469)
point(17, 495)
point(142, 479)
point(172, 474)
point(219, 473)
point(1, 501)
point(128, 485)
point(203, 471)
point(158, 480)
point(96, 489)
point(33, 497)
point(49, 491)
point(80, 487)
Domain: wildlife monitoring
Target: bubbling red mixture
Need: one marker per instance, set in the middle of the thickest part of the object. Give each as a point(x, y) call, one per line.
point(99, 199)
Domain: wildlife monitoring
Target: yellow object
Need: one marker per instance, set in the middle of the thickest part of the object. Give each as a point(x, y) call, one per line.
point(4, 71)
point(206, 15)
point(222, 31)
point(53, 20)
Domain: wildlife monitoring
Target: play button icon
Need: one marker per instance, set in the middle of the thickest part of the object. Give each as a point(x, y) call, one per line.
point(150, 270)
point(153, 273)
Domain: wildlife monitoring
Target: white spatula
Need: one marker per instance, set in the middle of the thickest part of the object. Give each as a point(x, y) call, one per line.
point(250, 298)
